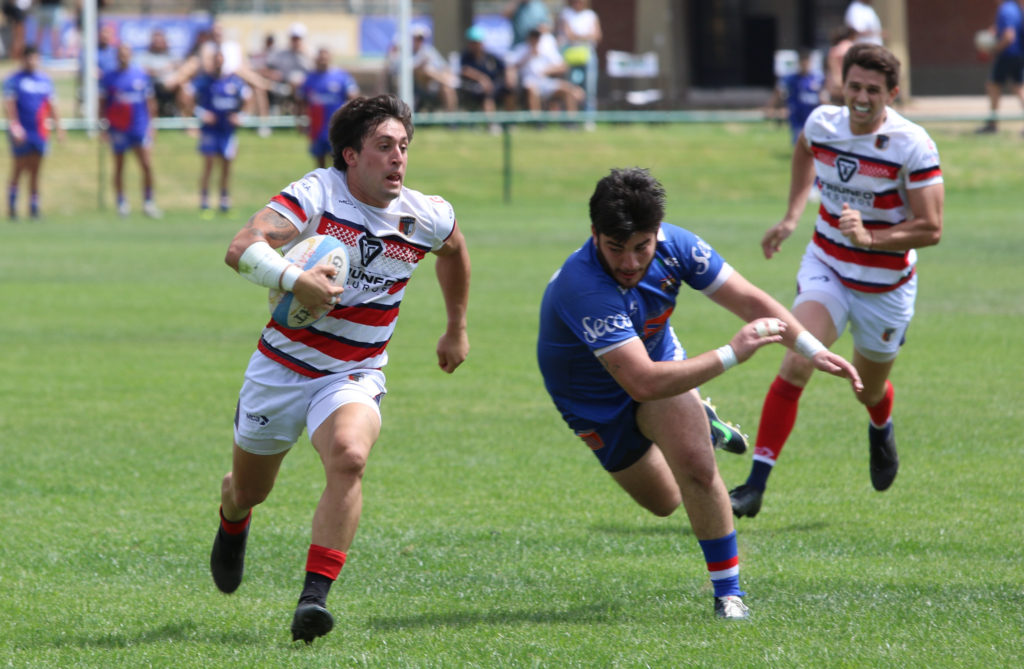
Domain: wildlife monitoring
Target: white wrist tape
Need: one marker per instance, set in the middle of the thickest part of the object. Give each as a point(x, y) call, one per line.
point(727, 356)
point(808, 345)
point(266, 267)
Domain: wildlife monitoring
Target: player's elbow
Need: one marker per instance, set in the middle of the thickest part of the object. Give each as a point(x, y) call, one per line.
point(639, 390)
point(933, 236)
point(234, 253)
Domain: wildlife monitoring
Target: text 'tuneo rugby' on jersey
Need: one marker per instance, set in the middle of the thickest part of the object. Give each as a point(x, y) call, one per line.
point(384, 246)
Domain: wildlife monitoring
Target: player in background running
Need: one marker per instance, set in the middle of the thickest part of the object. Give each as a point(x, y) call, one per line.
point(881, 198)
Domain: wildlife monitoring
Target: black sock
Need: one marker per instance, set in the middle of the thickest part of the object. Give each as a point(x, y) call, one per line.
point(315, 589)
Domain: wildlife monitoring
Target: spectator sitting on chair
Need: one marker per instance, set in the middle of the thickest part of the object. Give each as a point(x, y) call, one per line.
point(434, 84)
point(288, 68)
point(485, 79)
point(541, 74)
point(161, 67)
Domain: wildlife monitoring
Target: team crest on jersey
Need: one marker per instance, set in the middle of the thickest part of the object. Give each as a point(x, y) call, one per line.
point(882, 142)
point(847, 168)
point(406, 224)
point(369, 249)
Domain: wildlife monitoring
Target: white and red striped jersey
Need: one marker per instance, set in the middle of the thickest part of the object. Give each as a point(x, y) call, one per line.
point(872, 173)
point(384, 247)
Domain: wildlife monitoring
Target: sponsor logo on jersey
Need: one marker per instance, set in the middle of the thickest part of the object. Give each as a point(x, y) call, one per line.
point(847, 167)
point(702, 256)
point(369, 249)
point(864, 198)
point(882, 142)
point(595, 328)
point(406, 225)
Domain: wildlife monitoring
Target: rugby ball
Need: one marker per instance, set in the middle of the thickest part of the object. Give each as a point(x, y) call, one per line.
point(285, 309)
point(985, 41)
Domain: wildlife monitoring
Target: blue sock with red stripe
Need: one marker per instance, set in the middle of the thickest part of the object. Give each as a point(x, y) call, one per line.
point(722, 557)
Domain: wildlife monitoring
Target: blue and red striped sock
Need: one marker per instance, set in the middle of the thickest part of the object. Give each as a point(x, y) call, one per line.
point(722, 557)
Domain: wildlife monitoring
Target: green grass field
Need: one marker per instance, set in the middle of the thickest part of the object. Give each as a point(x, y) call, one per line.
point(490, 536)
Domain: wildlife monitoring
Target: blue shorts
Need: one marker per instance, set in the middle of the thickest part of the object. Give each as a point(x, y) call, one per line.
point(32, 144)
point(121, 141)
point(320, 147)
point(1008, 68)
point(218, 143)
point(617, 443)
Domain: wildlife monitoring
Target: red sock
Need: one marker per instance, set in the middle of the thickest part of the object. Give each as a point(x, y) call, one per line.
point(778, 416)
point(324, 561)
point(235, 526)
point(882, 412)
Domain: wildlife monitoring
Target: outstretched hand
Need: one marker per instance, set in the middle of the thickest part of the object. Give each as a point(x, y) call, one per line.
point(756, 334)
point(771, 243)
point(837, 365)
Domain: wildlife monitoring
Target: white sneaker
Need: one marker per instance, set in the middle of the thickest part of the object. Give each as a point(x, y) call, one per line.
point(731, 607)
point(150, 209)
point(124, 208)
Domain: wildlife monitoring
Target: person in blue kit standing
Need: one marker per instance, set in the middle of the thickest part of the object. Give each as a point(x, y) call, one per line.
point(618, 374)
point(220, 100)
point(323, 92)
point(29, 103)
point(128, 104)
point(802, 91)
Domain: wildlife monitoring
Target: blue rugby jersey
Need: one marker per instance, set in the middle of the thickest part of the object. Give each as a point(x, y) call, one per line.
point(585, 313)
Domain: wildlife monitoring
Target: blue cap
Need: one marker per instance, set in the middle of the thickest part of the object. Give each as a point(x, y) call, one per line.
point(475, 34)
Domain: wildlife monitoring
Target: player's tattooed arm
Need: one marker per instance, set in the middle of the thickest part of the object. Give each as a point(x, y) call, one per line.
point(265, 226)
point(271, 227)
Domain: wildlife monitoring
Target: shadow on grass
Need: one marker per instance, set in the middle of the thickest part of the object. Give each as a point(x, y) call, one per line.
point(176, 631)
point(684, 530)
point(668, 528)
point(593, 613)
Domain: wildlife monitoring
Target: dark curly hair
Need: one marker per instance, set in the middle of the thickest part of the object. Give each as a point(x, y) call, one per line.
point(359, 117)
point(627, 201)
point(873, 57)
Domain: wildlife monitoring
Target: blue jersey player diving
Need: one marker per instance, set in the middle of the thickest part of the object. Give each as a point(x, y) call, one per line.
point(621, 379)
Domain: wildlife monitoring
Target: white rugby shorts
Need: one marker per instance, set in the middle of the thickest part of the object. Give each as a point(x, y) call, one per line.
point(275, 403)
point(878, 321)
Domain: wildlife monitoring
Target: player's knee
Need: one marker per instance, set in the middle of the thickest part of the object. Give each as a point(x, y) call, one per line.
point(345, 459)
point(664, 508)
point(796, 369)
point(242, 495)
